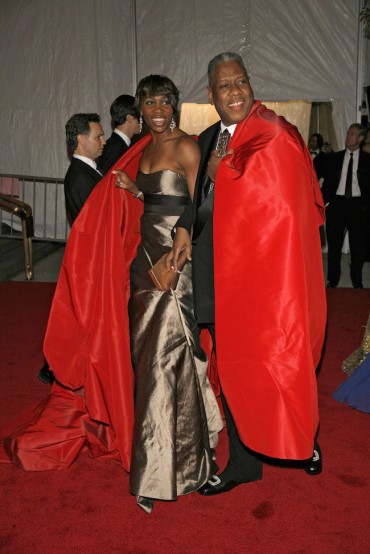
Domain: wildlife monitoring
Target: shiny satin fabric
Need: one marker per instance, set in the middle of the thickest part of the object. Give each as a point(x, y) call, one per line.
point(269, 285)
point(174, 399)
point(87, 339)
point(51, 434)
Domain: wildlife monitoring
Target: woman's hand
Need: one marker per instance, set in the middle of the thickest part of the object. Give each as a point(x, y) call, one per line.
point(181, 250)
point(123, 181)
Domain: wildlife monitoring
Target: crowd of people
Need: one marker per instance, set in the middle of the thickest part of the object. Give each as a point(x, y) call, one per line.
point(234, 216)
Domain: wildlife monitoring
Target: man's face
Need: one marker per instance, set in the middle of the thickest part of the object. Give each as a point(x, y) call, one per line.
point(353, 140)
point(91, 145)
point(230, 92)
point(312, 143)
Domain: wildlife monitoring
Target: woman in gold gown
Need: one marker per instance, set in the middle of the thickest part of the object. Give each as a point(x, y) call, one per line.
point(177, 419)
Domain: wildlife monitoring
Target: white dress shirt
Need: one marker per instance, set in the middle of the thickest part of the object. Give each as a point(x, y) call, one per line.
point(342, 183)
point(123, 136)
point(87, 161)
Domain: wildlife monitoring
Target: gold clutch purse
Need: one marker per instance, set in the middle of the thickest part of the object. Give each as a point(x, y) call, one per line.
point(166, 279)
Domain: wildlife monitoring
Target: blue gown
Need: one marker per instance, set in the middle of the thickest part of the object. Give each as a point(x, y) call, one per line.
point(355, 391)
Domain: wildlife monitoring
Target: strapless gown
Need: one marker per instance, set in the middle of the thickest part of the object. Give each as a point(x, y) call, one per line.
point(176, 413)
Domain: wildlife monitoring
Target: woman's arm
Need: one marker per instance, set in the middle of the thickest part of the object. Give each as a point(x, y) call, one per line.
point(123, 181)
point(188, 158)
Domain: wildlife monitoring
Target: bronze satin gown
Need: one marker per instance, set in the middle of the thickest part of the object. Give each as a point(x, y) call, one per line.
point(177, 418)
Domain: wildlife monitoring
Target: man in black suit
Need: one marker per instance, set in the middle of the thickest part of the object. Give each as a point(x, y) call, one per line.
point(237, 275)
point(126, 124)
point(85, 137)
point(346, 191)
point(318, 155)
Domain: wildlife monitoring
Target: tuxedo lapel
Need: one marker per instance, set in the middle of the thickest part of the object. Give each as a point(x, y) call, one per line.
point(207, 143)
point(202, 210)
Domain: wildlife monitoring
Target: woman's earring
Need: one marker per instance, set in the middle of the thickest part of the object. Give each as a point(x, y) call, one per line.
point(172, 124)
point(141, 123)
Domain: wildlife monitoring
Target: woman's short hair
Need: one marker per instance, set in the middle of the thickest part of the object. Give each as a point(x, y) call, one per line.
point(157, 85)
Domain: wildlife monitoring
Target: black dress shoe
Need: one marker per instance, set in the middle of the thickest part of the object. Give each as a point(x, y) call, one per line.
point(216, 486)
point(45, 375)
point(314, 464)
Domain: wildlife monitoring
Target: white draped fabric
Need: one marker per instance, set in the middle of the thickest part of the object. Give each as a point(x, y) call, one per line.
point(59, 58)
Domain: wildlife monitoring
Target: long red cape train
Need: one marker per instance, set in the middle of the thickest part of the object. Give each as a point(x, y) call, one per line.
point(87, 338)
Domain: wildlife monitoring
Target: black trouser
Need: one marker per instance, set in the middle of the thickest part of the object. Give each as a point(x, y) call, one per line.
point(243, 465)
point(345, 214)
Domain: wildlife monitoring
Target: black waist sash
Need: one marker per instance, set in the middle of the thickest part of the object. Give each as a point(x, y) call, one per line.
point(164, 204)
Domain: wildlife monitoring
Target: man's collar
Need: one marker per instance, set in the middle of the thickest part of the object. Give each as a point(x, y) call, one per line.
point(123, 136)
point(86, 160)
point(230, 128)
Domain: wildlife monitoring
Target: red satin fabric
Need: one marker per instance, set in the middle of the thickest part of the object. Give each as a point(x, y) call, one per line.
point(269, 285)
point(51, 434)
point(87, 338)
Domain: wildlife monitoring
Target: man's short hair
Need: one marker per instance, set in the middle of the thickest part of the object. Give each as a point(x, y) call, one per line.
point(222, 58)
point(78, 124)
point(362, 131)
point(319, 140)
point(121, 107)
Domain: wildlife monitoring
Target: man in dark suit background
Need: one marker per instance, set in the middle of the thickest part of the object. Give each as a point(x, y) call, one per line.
point(346, 191)
point(318, 154)
point(85, 138)
point(246, 272)
point(126, 124)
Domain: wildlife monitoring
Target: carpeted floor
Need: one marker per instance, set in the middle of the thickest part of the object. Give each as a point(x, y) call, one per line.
point(88, 509)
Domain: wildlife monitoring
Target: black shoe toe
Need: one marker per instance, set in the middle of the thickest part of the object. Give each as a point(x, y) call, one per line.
point(216, 486)
point(46, 376)
point(314, 465)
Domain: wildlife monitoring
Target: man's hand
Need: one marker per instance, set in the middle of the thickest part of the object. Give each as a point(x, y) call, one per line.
point(214, 162)
point(181, 250)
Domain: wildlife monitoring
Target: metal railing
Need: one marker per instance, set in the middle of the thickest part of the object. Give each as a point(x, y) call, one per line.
point(45, 196)
point(24, 212)
point(32, 207)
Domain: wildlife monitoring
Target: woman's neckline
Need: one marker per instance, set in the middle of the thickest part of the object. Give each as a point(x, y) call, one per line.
point(160, 171)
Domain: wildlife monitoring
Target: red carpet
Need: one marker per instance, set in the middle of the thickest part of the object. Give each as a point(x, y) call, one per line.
point(88, 509)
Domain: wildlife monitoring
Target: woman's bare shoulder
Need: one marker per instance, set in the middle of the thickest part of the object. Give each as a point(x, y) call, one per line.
point(187, 150)
point(186, 142)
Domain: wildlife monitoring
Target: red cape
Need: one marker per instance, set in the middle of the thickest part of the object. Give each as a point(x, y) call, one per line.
point(87, 338)
point(269, 285)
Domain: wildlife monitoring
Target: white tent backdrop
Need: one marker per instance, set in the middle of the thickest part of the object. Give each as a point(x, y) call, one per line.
point(60, 57)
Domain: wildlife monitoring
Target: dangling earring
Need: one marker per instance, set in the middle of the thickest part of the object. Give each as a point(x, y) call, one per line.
point(172, 124)
point(141, 123)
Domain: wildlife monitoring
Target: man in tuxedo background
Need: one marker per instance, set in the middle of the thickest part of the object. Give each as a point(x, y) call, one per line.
point(125, 122)
point(85, 138)
point(346, 191)
point(252, 233)
point(319, 156)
